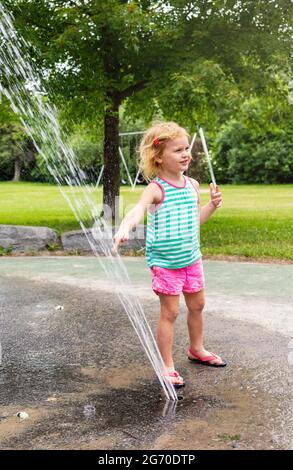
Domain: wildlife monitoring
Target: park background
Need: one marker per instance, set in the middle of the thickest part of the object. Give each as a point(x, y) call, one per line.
point(71, 362)
point(113, 67)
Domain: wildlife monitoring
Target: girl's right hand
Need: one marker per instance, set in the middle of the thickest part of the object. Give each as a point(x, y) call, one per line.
point(121, 236)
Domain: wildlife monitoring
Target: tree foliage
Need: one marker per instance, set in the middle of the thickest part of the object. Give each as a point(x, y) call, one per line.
point(193, 61)
point(17, 153)
point(257, 145)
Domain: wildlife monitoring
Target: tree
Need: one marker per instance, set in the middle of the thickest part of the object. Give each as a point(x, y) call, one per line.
point(255, 146)
point(101, 53)
point(16, 149)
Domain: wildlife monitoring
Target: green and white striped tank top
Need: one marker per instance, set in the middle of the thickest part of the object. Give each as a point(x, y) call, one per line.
point(172, 238)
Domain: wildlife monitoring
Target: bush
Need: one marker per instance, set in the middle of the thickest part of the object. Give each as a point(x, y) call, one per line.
point(88, 157)
point(242, 157)
point(6, 166)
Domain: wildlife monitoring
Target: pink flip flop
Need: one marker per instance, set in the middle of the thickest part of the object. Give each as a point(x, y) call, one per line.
point(205, 360)
point(176, 375)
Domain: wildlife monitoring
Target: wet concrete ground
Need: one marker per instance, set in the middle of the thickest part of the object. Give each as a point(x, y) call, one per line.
point(82, 377)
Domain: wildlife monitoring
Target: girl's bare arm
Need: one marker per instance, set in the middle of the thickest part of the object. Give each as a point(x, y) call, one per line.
point(215, 202)
point(150, 195)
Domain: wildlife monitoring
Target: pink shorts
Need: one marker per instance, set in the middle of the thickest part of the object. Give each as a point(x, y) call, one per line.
point(174, 281)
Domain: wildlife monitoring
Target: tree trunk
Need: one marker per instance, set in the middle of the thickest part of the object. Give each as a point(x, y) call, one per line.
point(17, 170)
point(111, 175)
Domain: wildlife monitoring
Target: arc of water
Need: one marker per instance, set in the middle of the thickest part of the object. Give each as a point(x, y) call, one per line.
point(19, 84)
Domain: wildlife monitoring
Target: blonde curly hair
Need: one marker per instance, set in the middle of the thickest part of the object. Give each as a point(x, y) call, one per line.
point(149, 151)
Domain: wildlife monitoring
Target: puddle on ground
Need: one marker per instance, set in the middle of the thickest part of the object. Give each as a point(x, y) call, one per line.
point(226, 416)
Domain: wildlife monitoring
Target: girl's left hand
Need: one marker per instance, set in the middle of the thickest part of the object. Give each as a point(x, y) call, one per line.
point(216, 196)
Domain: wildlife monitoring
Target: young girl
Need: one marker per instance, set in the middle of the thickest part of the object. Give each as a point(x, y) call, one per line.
point(172, 202)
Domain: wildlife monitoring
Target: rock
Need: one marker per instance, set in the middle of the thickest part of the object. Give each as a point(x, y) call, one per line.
point(89, 411)
point(235, 445)
point(51, 399)
point(77, 240)
point(22, 415)
point(24, 238)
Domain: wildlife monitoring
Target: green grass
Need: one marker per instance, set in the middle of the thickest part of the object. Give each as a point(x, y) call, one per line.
point(255, 220)
point(230, 437)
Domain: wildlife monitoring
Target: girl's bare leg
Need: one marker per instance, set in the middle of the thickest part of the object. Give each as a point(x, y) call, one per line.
point(195, 304)
point(165, 331)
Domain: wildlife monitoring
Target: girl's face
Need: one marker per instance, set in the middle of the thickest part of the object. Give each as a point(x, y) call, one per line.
point(176, 155)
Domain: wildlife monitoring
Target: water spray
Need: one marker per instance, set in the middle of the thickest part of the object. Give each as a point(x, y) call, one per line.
point(20, 85)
